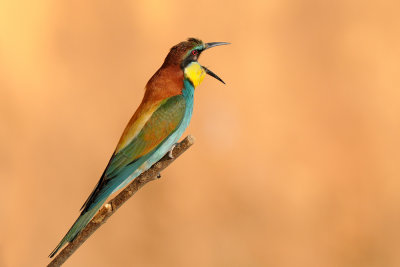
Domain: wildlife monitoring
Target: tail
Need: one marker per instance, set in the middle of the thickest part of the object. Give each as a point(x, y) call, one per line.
point(79, 224)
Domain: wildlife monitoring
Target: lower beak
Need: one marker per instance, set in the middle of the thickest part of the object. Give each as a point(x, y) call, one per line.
point(209, 72)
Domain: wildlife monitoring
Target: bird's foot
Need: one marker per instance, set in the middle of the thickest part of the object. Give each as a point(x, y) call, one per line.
point(170, 151)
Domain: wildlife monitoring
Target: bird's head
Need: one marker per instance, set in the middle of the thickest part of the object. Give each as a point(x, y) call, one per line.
point(186, 54)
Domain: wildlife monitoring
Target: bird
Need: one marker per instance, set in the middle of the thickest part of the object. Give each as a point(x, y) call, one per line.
point(154, 129)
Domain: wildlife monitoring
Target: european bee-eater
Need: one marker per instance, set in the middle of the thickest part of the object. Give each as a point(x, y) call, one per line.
point(154, 129)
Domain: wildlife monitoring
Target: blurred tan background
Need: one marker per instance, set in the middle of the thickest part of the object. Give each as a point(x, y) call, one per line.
point(296, 161)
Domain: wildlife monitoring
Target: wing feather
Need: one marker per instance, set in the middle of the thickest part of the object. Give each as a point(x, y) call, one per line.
point(162, 123)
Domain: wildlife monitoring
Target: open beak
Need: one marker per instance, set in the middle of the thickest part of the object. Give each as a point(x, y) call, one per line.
point(209, 72)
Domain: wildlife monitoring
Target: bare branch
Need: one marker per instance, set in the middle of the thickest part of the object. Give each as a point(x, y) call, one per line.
point(108, 209)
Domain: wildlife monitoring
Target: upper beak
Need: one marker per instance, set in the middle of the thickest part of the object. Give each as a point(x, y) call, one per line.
point(209, 72)
point(209, 45)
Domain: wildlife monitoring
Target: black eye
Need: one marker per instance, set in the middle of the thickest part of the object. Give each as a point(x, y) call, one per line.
point(195, 52)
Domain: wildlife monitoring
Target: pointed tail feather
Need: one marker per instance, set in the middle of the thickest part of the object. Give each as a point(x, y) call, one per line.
point(77, 227)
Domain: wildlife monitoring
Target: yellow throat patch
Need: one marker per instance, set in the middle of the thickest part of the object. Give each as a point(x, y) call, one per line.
point(195, 73)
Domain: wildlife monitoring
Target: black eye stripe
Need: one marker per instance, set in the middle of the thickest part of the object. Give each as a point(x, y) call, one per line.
point(192, 55)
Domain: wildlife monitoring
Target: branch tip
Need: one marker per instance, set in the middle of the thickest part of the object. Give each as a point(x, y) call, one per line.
point(190, 139)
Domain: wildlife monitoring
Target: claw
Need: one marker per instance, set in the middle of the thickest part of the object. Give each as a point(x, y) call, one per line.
point(170, 151)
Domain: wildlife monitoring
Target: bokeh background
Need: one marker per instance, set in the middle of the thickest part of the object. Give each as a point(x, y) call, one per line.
point(296, 161)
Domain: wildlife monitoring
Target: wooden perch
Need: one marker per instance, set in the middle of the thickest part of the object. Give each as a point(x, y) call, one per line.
point(108, 209)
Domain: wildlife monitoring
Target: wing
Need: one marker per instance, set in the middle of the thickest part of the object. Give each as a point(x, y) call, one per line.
point(162, 122)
